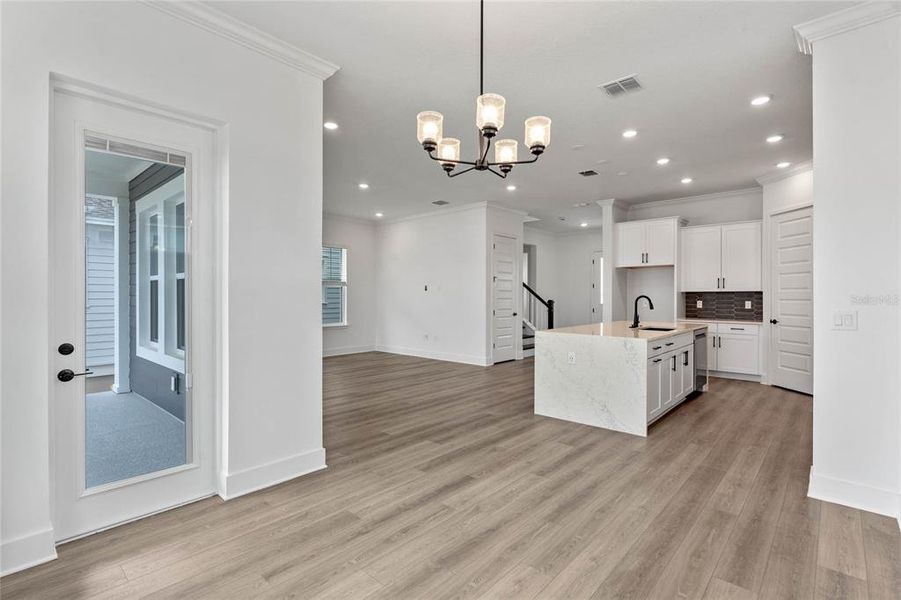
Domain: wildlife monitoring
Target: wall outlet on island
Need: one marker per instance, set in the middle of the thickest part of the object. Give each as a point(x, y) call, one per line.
point(571, 358)
point(699, 304)
point(748, 304)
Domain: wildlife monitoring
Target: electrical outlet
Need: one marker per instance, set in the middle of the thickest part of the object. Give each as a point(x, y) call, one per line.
point(571, 358)
point(699, 304)
point(844, 320)
point(748, 304)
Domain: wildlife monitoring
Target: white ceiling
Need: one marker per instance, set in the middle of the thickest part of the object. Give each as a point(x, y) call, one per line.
point(700, 64)
point(113, 167)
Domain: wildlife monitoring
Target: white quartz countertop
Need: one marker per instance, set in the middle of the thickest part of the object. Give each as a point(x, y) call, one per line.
point(621, 329)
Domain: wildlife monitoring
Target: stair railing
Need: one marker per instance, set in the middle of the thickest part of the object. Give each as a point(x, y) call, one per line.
point(538, 312)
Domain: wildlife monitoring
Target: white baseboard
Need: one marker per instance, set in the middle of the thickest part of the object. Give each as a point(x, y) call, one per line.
point(739, 376)
point(341, 351)
point(272, 473)
point(855, 495)
point(27, 551)
point(467, 359)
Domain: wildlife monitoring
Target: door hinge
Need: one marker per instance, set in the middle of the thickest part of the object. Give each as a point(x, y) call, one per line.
point(189, 381)
point(494, 246)
point(493, 345)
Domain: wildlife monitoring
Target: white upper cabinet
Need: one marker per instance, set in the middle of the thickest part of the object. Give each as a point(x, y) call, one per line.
point(701, 258)
point(742, 257)
point(719, 258)
point(646, 243)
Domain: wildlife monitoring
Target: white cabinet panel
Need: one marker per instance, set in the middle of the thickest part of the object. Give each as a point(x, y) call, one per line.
point(738, 353)
point(688, 371)
point(700, 261)
point(674, 370)
point(741, 257)
point(631, 244)
point(660, 245)
point(655, 394)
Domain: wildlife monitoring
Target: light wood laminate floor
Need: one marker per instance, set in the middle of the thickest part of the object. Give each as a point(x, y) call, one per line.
point(443, 484)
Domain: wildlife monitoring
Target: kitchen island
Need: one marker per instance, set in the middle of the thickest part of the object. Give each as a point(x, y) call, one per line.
point(612, 376)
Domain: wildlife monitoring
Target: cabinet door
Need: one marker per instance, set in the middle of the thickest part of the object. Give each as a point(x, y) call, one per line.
point(630, 244)
point(742, 257)
point(660, 244)
point(700, 262)
point(738, 353)
point(655, 398)
point(711, 348)
point(674, 370)
point(688, 370)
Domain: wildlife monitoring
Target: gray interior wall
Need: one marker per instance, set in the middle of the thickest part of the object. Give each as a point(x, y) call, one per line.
point(149, 379)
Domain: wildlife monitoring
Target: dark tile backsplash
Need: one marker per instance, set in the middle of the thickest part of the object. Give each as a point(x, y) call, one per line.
point(724, 305)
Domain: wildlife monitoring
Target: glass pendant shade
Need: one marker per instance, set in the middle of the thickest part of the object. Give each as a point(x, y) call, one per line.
point(429, 126)
point(449, 149)
point(538, 132)
point(490, 111)
point(505, 151)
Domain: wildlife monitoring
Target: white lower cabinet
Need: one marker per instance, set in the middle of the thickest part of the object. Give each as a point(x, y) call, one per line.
point(670, 379)
point(733, 348)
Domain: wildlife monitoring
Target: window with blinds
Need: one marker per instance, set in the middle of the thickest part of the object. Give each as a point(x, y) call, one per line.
point(334, 286)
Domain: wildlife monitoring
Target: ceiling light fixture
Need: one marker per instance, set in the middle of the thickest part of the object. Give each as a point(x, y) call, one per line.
point(783, 165)
point(583, 224)
point(379, 215)
point(489, 120)
point(629, 133)
point(511, 188)
point(775, 139)
point(330, 125)
point(363, 186)
point(663, 161)
point(687, 180)
point(761, 100)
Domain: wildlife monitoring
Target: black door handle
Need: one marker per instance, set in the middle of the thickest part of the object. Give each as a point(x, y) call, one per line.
point(773, 321)
point(69, 374)
point(515, 314)
point(66, 349)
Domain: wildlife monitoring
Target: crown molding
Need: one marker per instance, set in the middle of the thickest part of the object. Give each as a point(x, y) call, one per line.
point(438, 211)
point(519, 213)
point(219, 23)
point(860, 15)
point(350, 219)
point(611, 202)
point(689, 199)
point(797, 169)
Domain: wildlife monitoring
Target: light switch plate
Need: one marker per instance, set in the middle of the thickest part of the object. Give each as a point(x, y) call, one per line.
point(747, 304)
point(844, 320)
point(699, 304)
point(571, 358)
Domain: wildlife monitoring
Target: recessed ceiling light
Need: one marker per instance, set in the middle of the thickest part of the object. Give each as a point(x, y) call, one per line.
point(330, 125)
point(578, 146)
point(363, 186)
point(379, 215)
point(583, 224)
point(761, 100)
point(603, 161)
point(687, 180)
point(782, 165)
point(511, 188)
point(663, 161)
point(775, 139)
point(622, 173)
point(629, 133)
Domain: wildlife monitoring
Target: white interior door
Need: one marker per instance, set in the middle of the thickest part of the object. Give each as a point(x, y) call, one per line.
point(504, 317)
point(791, 333)
point(597, 287)
point(125, 447)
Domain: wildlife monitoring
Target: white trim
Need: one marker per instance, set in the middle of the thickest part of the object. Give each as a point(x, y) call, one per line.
point(349, 219)
point(689, 199)
point(856, 495)
point(342, 350)
point(272, 473)
point(467, 359)
point(219, 23)
point(797, 169)
point(439, 211)
point(848, 19)
point(27, 551)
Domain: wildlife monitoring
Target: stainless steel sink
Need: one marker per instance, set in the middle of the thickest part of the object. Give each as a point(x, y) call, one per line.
point(657, 328)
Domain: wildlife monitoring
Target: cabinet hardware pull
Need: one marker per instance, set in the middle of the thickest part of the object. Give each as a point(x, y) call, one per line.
point(737, 328)
point(685, 360)
point(657, 360)
point(724, 283)
point(657, 347)
point(670, 343)
point(674, 362)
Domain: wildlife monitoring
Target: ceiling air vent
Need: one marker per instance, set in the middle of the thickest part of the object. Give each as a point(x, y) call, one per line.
point(621, 86)
point(440, 202)
point(588, 173)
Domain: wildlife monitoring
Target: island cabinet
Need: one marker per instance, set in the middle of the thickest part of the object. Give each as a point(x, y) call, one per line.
point(670, 376)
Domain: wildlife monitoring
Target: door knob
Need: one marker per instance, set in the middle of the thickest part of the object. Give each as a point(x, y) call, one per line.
point(773, 321)
point(69, 374)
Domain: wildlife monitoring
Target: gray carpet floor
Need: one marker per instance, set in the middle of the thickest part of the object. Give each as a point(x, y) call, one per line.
point(128, 435)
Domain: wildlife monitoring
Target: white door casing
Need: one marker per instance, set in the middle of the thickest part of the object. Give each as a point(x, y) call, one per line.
point(504, 319)
point(78, 510)
point(791, 300)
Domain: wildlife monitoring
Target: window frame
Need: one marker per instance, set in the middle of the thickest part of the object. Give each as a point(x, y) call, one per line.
point(161, 203)
point(336, 283)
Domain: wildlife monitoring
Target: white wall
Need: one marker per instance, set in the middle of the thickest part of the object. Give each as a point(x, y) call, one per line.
point(447, 253)
point(723, 207)
point(857, 155)
point(545, 242)
point(359, 237)
point(273, 198)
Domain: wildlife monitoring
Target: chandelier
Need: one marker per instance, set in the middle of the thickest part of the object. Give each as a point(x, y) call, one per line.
point(489, 120)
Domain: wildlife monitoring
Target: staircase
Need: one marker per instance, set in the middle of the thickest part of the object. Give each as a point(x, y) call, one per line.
point(538, 314)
